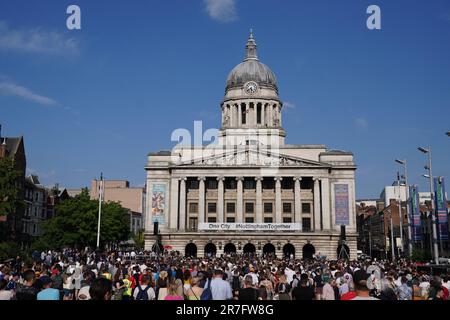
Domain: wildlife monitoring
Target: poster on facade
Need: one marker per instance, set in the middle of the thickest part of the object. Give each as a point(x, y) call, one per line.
point(415, 214)
point(341, 197)
point(441, 207)
point(158, 203)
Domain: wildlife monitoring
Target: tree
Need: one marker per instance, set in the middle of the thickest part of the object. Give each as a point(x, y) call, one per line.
point(9, 192)
point(75, 224)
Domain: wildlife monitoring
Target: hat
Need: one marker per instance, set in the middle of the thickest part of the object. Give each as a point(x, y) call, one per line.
point(360, 275)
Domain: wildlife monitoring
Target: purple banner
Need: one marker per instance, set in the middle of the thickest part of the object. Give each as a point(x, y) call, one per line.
point(416, 223)
point(441, 207)
point(342, 204)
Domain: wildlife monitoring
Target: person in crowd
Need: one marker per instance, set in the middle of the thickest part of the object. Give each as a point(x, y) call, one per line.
point(47, 293)
point(27, 290)
point(4, 293)
point(360, 281)
point(100, 289)
point(303, 292)
point(220, 289)
point(144, 290)
point(404, 291)
point(248, 292)
point(173, 291)
point(194, 292)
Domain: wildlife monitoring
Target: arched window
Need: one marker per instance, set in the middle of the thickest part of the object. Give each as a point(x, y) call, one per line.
point(243, 113)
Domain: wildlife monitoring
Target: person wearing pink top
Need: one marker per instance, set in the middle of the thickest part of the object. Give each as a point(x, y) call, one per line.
point(172, 292)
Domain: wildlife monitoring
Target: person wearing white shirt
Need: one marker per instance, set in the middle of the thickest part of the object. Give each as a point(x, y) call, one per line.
point(220, 289)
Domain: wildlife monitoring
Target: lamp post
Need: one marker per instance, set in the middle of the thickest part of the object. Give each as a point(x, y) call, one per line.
point(408, 209)
point(448, 133)
point(400, 214)
point(100, 200)
point(433, 215)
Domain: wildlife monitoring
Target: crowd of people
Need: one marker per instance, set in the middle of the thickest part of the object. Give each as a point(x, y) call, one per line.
point(117, 275)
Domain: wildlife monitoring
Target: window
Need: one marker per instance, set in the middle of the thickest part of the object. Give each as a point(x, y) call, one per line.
point(211, 184)
point(268, 207)
point(268, 220)
point(306, 222)
point(268, 184)
point(192, 184)
point(244, 113)
point(192, 223)
point(36, 196)
point(212, 207)
point(287, 183)
point(306, 207)
point(231, 219)
point(34, 229)
point(43, 214)
point(249, 207)
point(193, 207)
point(287, 220)
point(249, 184)
point(258, 113)
point(287, 207)
point(231, 207)
point(249, 220)
point(230, 183)
point(212, 219)
point(35, 212)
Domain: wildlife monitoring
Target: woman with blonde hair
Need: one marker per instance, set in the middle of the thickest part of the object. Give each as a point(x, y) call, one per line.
point(172, 291)
point(162, 285)
point(195, 291)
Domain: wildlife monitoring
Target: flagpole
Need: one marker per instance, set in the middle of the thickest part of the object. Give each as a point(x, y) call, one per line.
point(100, 200)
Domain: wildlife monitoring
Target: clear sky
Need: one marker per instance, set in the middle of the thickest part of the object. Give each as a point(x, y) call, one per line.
point(101, 98)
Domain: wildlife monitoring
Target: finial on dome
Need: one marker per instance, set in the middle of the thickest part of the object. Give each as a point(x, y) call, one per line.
point(250, 48)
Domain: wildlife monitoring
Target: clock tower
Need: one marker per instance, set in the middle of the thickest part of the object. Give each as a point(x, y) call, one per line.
point(251, 108)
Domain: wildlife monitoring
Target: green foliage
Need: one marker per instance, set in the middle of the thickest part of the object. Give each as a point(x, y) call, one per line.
point(75, 224)
point(139, 239)
point(9, 191)
point(9, 250)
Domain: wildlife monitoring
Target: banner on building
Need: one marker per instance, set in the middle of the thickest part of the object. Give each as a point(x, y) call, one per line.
point(416, 223)
point(341, 203)
point(158, 203)
point(250, 226)
point(441, 207)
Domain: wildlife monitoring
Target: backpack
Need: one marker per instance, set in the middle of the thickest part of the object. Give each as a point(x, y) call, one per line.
point(142, 294)
point(207, 293)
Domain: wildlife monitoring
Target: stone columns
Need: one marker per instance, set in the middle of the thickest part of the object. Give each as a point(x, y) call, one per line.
point(240, 200)
point(278, 205)
point(326, 214)
point(220, 200)
point(298, 201)
point(259, 205)
point(201, 200)
point(316, 205)
point(255, 114)
point(182, 213)
point(173, 219)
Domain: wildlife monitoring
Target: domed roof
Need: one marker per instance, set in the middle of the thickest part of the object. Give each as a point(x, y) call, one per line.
point(251, 69)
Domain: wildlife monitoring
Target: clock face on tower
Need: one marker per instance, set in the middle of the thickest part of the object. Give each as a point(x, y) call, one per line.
point(251, 87)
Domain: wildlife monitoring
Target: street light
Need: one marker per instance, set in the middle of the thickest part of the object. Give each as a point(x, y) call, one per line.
point(433, 215)
point(448, 133)
point(408, 212)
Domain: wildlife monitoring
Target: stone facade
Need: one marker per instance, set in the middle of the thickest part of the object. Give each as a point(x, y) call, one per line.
point(251, 178)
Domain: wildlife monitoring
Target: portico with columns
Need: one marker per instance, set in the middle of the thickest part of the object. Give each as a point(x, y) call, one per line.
point(251, 178)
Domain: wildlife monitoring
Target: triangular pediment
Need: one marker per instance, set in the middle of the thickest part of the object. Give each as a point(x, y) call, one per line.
point(252, 157)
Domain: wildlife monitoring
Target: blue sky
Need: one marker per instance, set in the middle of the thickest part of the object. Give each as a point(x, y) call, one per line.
point(101, 98)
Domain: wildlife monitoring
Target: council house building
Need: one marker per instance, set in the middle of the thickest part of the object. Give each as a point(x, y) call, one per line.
point(250, 192)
